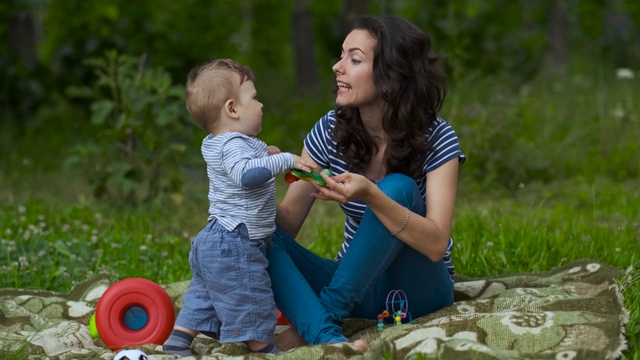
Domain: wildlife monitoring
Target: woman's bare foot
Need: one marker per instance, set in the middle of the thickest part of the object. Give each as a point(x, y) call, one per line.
point(288, 339)
point(359, 345)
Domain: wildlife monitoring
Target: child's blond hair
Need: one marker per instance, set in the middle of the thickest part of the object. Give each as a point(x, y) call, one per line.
point(210, 85)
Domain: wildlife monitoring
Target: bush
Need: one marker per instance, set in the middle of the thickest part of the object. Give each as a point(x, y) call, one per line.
point(142, 130)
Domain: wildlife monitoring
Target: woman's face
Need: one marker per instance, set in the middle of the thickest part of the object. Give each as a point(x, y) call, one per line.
point(354, 71)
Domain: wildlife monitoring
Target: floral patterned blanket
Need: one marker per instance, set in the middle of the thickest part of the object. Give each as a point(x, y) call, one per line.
point(572, 312)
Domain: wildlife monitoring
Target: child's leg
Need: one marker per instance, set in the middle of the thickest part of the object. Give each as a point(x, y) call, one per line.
point(242, 293)
point(179, 342)
point(197, 314)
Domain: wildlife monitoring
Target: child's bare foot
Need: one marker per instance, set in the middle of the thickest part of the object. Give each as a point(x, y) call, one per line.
point(288, 339)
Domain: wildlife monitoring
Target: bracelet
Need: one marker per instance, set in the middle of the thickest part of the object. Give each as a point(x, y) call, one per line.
point(404, 224)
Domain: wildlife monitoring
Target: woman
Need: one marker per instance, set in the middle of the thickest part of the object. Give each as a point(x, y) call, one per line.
point(392, 159)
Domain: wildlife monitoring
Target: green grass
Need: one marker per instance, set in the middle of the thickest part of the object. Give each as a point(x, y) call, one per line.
point(54, 245)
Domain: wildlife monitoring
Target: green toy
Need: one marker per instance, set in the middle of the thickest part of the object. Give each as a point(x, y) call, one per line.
point(295, 175)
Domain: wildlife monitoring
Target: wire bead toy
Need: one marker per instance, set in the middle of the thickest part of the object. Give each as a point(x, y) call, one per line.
point(397, 307)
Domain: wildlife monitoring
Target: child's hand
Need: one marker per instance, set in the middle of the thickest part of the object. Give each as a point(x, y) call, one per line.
point(273, 150)
point(301, 164)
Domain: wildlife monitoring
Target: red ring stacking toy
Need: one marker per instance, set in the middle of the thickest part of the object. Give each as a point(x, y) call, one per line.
point(134, 311)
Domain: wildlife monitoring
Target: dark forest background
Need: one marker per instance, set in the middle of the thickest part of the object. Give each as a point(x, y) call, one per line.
point(97, 85)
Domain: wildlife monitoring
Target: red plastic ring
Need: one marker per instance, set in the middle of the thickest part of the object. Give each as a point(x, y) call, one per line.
point(281, 319)
point(143, 300)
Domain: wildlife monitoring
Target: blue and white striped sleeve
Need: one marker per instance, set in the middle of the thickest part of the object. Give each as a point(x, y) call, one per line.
point(245, 169)
point(445, 146)
point(317, 141)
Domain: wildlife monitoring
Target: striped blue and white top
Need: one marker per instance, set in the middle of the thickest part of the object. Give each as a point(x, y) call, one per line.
point(322, 148)
point(241, 181)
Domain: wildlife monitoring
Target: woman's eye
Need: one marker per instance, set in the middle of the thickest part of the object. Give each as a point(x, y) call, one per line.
point(355, 61)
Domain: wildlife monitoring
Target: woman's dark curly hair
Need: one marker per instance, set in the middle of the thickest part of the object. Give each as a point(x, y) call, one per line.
point(410, 78)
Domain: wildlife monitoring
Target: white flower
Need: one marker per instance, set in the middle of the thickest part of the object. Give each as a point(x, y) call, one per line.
point(624, 73)
point(618, 111)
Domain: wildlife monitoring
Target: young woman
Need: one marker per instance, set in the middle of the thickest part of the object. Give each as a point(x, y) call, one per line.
point(395, 167)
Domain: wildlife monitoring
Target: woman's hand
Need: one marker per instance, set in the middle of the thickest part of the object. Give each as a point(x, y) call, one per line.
point(344, 188)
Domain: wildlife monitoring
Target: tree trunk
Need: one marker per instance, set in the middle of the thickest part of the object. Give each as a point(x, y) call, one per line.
point(22, 36)
point(351, 11)
point(556, 57)
point(618, 35)
point(304, 49)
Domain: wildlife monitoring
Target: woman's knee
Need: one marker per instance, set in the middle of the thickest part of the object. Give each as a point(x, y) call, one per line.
point(400, 188)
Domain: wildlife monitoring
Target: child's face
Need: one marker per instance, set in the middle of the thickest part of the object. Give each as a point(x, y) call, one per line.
point(249, 109)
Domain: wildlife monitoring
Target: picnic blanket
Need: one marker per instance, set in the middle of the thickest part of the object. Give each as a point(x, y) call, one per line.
point(574, 311)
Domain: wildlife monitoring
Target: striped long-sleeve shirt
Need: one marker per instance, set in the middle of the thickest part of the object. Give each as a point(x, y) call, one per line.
point(322, 148)
point(241, 181)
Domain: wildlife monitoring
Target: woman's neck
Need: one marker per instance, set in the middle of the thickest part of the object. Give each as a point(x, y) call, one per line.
point(372, 120)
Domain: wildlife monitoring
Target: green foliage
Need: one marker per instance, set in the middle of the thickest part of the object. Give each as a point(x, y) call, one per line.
point(142, 130)
point(176, 35)
point(586, 123)
point(479, 37)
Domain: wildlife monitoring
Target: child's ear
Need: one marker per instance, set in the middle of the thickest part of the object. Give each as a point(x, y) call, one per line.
point(230, 109)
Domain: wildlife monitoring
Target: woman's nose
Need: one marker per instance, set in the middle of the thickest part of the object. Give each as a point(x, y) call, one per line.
point(337, 66)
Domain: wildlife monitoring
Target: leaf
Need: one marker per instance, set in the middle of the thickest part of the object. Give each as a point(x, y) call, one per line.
point(100, 111)
point(159, 80)
point(71, 161)
point(62, 248)
point(79, 92)
point(166, 116)
point(176, 91)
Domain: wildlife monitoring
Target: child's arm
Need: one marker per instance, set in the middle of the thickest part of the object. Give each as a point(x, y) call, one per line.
point(251, 172)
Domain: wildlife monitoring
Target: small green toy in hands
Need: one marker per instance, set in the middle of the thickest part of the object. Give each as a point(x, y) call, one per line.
point(295, 175)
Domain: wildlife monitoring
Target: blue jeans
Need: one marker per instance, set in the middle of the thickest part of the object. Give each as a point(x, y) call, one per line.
point(230, 292)
point(316, 294)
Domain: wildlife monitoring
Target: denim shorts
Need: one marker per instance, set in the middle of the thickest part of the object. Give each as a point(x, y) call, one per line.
point(230, 292)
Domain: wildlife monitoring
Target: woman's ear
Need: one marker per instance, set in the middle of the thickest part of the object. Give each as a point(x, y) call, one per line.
point(230, 109)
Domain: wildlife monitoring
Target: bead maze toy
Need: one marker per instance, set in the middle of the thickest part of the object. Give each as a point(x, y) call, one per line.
point(397, 307)
point(131, 312)
point(294, 175)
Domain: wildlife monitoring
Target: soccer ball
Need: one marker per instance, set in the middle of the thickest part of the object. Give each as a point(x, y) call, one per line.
point(132, 354)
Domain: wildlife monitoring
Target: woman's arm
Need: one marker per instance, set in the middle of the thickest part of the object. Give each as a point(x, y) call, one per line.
point(429, 235)
point(297, 202)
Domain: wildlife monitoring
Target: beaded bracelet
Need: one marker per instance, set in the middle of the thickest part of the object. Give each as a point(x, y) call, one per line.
point(406, 221)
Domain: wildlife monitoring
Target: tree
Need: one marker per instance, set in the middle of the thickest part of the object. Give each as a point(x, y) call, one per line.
point(304, 49)
point(556, 57)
